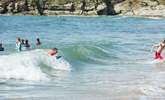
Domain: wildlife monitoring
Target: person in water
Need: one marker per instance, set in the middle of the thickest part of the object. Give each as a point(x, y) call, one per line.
point(53, 52)
point(27, 45)
point(159, 48)
point(1, 47)
point(38, 41)
point(23, 42)
point(18, 44)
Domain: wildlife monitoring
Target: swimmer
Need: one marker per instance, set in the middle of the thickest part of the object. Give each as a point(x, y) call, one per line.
point(27, 45)
point(53, 52)
point(1, 47)
point(38, 41)
point(23, 41)
point(18, 44)
point(159, 48)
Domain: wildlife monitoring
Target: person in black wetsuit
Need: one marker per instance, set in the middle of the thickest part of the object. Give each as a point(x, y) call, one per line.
point(1, 47)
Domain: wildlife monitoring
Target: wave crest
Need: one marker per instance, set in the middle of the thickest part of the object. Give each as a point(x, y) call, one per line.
point(28, 65)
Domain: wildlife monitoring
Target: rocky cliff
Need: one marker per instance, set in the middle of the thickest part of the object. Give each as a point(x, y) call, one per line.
point(83, 7)
point(153, 8)
point(50, 7)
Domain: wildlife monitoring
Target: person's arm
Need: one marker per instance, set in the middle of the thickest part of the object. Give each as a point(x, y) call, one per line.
point(155, 46)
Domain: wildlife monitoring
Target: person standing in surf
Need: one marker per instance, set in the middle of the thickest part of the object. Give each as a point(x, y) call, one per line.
point(159, 48)
point(27, 45)
point(38, 42)
point(22, 41)
point(1, 47)
point(18, 44)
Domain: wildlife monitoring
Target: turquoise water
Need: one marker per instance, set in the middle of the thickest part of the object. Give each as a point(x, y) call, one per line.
point(104, 58)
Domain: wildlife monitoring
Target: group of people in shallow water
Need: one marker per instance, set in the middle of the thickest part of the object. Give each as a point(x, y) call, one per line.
point(23, 45)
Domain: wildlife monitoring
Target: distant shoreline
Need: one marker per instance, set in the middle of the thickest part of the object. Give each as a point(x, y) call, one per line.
point(140, 16)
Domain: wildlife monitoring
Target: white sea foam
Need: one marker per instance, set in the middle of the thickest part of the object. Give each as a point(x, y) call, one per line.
point(158, 62)
point(150, 91)
point(27, 65)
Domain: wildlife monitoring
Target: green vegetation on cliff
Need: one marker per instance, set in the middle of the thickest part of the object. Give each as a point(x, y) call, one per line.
point(162, 1)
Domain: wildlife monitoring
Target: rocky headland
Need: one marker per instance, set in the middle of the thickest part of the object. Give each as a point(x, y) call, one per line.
point(153, 8)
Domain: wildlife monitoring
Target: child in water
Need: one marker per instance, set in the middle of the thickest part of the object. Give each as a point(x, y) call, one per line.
point(53, 52)
point(159, 48)
point(27, 45)
point(38, 42)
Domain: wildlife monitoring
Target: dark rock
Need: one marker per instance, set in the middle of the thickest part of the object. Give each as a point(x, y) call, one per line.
point(107, 8)
point(40, 5)
point(22, 6)
point(3, 7)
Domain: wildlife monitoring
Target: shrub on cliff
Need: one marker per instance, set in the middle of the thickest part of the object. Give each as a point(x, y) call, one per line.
point(162, 2)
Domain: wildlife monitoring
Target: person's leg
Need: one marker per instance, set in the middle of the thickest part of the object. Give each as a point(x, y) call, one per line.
point(159, 56)
point(156, 55)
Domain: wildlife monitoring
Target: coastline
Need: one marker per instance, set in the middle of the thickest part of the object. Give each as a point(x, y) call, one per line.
point(131, 8)
point(104, 53)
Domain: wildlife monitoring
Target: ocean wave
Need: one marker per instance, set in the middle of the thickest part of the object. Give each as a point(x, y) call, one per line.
point(88, 54)
point(29, 65)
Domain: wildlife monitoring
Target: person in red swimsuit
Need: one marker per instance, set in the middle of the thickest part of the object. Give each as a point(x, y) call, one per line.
point(159, 48)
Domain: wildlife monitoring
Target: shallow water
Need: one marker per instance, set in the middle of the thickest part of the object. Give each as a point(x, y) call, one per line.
point(104, 58)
